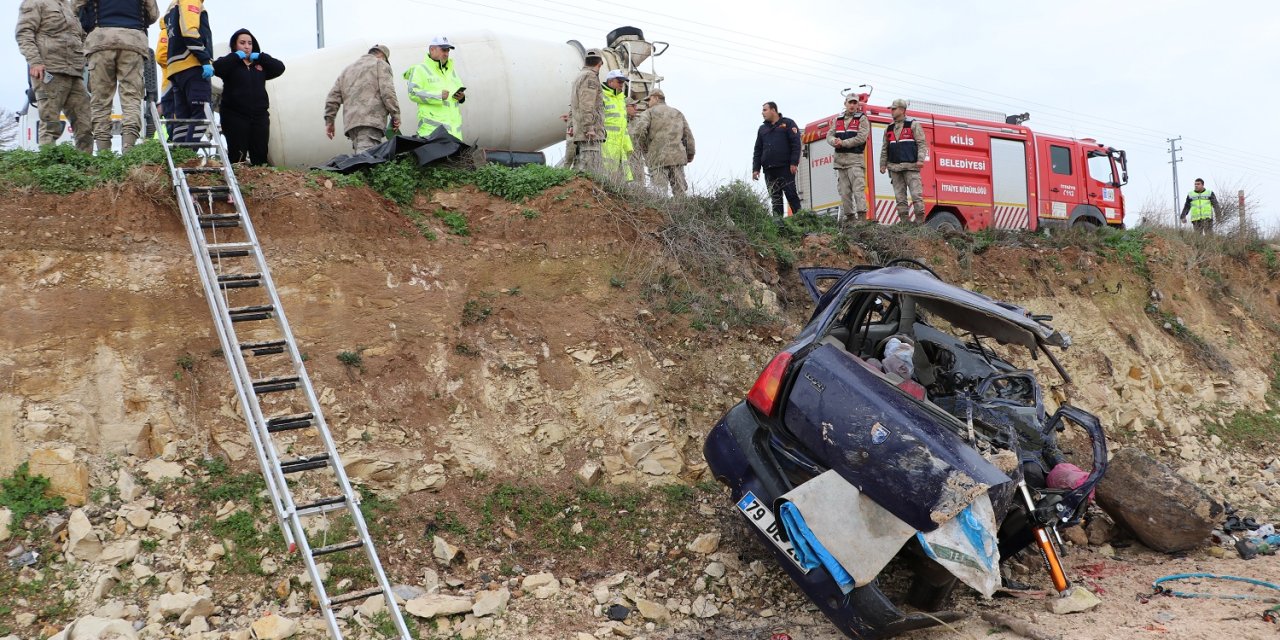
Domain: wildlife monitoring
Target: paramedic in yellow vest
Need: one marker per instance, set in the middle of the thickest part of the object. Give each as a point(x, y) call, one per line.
point(617, 147)
point(1203, 208)
point(435, 86)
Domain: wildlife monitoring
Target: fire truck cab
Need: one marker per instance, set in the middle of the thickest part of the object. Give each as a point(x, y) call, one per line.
point(983, 171)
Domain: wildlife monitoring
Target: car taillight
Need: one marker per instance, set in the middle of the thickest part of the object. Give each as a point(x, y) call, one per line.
point(764, 393)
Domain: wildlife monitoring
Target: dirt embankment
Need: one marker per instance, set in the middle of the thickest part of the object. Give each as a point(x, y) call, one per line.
point(542, 344)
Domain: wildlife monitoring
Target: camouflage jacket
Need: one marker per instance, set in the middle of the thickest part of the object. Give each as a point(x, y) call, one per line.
point(664, 134)
point(49, 33)
point(586, 106)
point(120, 38)
point(367, 94)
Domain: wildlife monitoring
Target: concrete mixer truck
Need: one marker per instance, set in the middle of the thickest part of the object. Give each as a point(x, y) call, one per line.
point(517, 88)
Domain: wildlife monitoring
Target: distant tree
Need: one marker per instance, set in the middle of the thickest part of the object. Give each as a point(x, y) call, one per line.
point(8, 129)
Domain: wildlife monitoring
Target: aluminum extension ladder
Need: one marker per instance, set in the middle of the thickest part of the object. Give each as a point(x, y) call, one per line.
point(276, 397)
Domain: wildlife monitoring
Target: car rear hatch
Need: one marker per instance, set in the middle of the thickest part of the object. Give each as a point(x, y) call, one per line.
point(898, 452)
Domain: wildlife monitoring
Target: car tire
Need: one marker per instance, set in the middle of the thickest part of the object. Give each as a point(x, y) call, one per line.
point(1085, 224)
point(945, 222)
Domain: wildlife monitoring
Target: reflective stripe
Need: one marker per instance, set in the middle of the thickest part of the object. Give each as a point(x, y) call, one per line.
point(1201, 205)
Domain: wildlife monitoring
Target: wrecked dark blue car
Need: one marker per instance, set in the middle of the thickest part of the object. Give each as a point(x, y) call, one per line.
point(895, 431)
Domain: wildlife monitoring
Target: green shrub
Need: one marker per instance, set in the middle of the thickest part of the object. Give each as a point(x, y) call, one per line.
point(456, 222)
point(62, 179)
point(520, 183)
point(351, 359)
point(61, 169)
point(24, 494)
point(398, 181)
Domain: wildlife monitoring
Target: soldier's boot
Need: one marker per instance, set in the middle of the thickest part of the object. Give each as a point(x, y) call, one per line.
point(127, 142)
point(102, 147)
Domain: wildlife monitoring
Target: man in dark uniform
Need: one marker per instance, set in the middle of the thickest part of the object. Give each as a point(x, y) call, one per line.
point(778, 153)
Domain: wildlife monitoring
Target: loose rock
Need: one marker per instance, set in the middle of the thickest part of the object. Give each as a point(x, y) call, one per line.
point(1163, 509)
point(1076, 600)
point(274, 627)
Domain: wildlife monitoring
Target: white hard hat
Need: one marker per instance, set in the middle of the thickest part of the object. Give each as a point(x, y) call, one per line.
point(617, 73)
point(442, 41)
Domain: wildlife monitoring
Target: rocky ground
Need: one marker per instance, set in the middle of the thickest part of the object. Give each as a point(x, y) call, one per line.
point(526, 413)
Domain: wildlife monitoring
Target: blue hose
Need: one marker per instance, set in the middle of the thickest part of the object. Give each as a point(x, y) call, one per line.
point(1213, 576)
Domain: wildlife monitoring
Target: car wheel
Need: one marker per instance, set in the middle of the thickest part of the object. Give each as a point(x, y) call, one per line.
point(1085, 224)
point(945, 222)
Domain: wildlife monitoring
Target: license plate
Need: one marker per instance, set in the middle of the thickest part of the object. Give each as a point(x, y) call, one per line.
point(763, 519)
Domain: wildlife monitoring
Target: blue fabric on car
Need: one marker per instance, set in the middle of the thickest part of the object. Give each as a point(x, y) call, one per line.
point(809, 550)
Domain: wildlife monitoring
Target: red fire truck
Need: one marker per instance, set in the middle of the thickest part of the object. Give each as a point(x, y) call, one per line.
point(984, 170)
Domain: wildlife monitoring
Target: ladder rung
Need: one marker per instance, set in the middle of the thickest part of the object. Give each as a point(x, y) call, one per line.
point(214, 189)
point(289, 423)
point(269, 385)
point(183, 121)
point(264, 349)
point(196, 144)
point(358, 595)
point(337, 502)
point(239, 280)
point(305, 463)
point(256, 312)
point(201, 169)
point(334, 548)
point(219, 220)
point(230, 250)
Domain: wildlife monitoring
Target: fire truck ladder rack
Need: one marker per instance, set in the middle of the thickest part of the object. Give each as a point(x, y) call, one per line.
point(276, 397)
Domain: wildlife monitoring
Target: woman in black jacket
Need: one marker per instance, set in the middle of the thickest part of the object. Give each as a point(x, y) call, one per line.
point(246, 121)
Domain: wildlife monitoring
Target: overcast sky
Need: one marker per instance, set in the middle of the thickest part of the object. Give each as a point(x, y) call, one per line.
point(1130, 74)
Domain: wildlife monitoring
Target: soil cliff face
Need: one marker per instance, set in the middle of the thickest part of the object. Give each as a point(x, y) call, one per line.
point(536, 348)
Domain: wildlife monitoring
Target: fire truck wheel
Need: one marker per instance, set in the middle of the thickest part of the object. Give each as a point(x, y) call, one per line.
point(1086, 224)
point(945, 222)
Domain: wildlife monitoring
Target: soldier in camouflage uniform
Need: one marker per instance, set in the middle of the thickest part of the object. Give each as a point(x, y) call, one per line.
point(902, 156)
point(50, 38)
point(117, 49)
point(367, 94)
point(586, 114)
point(664, 134)
point(849, 137)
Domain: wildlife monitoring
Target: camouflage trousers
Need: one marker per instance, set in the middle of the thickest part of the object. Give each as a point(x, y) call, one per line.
point(670, 176)
point(904, 182)
point(64, 94)
point(851, 182)
point(109, 69)
point(365, 138)
point(587, 157)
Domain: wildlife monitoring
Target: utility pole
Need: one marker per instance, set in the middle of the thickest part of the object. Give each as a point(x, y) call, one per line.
point(1174, 160)
point(319, 24)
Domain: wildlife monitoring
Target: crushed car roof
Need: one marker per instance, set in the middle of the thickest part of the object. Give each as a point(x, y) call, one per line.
point(1005, 322)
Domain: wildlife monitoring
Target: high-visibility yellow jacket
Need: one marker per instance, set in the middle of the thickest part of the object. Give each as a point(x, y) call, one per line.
point(617, 145)
point(1200, 204)
point(427, 83)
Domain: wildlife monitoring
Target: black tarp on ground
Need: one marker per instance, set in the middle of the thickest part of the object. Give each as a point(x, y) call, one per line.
point(437, 146)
